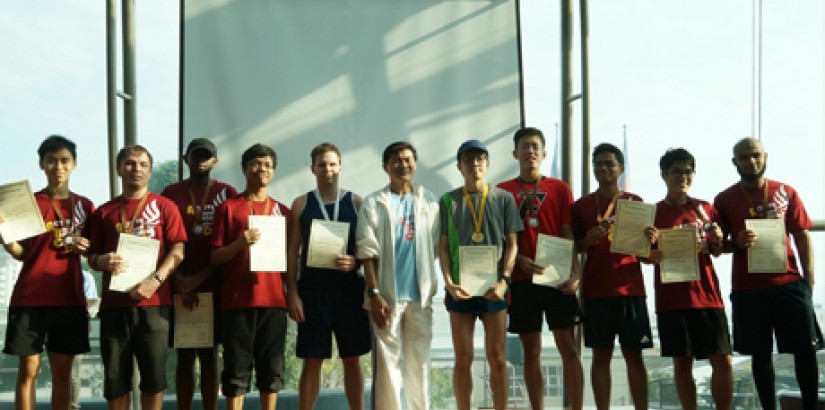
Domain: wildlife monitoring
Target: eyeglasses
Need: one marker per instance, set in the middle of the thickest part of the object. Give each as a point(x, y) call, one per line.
point(472, 159)
point(529, 147)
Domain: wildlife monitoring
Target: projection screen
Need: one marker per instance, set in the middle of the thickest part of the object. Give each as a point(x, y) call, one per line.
point(358, 73)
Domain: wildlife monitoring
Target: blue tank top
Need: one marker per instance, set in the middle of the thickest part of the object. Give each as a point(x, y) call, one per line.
point(346, 213)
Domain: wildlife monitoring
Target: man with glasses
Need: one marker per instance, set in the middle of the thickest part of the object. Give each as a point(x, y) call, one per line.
point(481, 223)
point(613, 289)
point(690, 312)
point(544, 207)
point(397, 243)
point(773, 302)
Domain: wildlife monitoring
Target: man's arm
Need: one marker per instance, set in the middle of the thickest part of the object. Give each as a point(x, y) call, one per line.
point(571, 285)
point(296, 306)
point(14, 249)
point(147, 287)
point(806, 255)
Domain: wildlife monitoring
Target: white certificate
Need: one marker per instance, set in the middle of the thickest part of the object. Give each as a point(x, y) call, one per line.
point(770, 253)
point(21, 217)
point(193, 327)
point(478, 268)
point(269, 253)
point(632, 217)
point(680, 261)
point(555, 254)
point(327, 240)
point(141, 256)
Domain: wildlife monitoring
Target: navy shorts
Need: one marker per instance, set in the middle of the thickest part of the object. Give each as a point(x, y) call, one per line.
point(61, 329)
point(622, 316)
point(698, 333)
point(783, 311)
point(339, 311)
point(253, 338)
point(530, 303)
point(475, 305)
point(140, 333)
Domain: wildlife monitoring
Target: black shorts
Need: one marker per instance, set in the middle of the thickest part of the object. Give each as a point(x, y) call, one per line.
point(698, 333)
point(140, 333)
point(329, 311)
point(61, 329)
point(622, 316)
point(530, 303)
point(217, 331)
point(253, 338)
point(783, 311)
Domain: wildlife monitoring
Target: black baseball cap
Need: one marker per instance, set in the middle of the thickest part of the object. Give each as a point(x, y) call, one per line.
point(201, 143)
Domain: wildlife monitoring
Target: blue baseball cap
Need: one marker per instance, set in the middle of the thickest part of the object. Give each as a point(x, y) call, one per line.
point(471, 145)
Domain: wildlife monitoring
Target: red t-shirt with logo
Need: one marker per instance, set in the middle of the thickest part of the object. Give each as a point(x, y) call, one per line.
point(50, 276)
point(199, 246)
point(605, 274)
point(783, 203)
point(242, 288)
point(701, 294)
point(550, 204)
point(159, 219)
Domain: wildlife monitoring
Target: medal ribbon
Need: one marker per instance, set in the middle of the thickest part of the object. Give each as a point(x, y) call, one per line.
point(58, 216)
point(138, 210)
point(267, 206)
point(323, 206)
point(199, 209)
point(477, 218)
point(599, 217)
point(763, 213)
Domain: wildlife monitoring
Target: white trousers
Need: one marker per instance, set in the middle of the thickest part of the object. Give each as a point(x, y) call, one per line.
point(402, 358)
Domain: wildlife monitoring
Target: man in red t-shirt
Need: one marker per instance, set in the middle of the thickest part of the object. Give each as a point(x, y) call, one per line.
point(613, 290)
point(48, 306)
point(690, 313)
point(253, 302)
point(197, 197)
point(544, 205)
point(134, 324)
point(778, 303)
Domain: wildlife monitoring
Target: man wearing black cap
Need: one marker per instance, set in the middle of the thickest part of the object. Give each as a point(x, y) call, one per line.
point(477, 253)
point(197, 197)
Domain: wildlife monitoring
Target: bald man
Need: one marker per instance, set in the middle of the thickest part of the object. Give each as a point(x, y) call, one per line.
point(770, 304)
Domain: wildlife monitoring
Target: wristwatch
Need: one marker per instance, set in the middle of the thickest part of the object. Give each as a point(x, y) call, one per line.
point(371, 292)
point(508, 280)
point(158, 278)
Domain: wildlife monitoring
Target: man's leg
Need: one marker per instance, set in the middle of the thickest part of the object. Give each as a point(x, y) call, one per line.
point(353, 382)
point(236, 402)
point(209, 378)
point(268, 400)
point(416, 336)
point(636, 377)
point(387, 380)
point(151, 401)
point(764, 379)
point(185, 378)
point(61, 366)
point(533, 376)
point(572, 365)
point(310, 383)
point(495, 335)
point(28, 368)
point(119, 403)
point(683, 378)
point(721, 381)
point(74, 380)
point(807, 377)
point(461, 327)
point(600, 377)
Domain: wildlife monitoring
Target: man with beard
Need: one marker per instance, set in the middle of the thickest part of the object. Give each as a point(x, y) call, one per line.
point(197, 197)
point(768, 304)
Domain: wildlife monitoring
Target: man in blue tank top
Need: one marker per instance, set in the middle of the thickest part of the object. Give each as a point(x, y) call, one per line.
point(328, 296)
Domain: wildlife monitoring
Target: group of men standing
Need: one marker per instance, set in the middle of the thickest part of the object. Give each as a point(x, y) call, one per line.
point(395, 235)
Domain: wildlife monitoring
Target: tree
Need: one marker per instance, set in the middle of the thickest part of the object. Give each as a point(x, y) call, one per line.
point(164, 173)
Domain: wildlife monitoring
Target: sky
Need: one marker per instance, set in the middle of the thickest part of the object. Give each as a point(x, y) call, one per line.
point(673, 73)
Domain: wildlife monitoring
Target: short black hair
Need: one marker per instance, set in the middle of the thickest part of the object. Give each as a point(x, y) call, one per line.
point(55, 143)
point(256, 151)
point(397, 147)
point(608, 148)
point(674, 155)
point(528, 132)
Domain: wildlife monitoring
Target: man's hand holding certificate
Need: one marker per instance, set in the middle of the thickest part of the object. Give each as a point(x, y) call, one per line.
point(327, 241)
point(478, 268)
point(680, 261)
point(769, 254)
point(21, 218)
point(555, 255)
point(141, 257)
point(268, 253)
point(632, 217)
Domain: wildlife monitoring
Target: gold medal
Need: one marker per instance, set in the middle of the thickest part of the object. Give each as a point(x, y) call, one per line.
point(207, 230)
point(477, 237)
point(534, 222)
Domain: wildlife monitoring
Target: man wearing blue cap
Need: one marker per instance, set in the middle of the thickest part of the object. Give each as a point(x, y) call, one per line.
point(477, 252)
